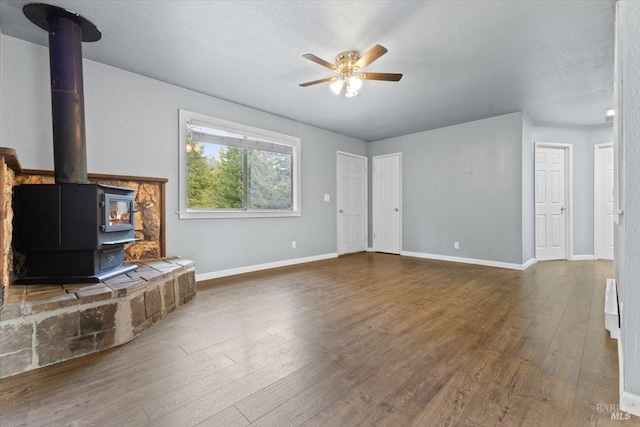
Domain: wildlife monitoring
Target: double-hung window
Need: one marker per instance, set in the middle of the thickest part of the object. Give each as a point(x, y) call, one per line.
point(232, 170)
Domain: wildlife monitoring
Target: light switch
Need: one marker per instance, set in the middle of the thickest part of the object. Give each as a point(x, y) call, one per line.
point(327, 198)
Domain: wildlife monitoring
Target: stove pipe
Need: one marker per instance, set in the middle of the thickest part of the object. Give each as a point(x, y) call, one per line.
point(67, 31)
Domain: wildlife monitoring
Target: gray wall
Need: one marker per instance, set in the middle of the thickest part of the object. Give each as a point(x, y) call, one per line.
point(528, 187)
point(627, 247)
point(582, 140)
point(132, 129)
point(462, 183)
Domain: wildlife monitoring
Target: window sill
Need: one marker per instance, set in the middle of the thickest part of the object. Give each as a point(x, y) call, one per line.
point(238, 214)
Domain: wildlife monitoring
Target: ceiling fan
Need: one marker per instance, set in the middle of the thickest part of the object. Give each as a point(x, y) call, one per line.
point(349, 66)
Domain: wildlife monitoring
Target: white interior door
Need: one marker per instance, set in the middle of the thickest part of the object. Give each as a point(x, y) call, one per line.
point(551, 206)
point(352, 203)
point(603, 200)
point(386, 203)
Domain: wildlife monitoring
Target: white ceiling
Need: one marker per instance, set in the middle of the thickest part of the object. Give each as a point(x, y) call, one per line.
point(461, 60)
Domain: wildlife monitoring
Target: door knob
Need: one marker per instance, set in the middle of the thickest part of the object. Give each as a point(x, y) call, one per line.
point(340, 211)
point(397, 209)
point(562, 210)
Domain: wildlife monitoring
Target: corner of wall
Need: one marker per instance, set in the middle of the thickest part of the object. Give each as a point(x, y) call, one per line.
point(627, 247)
point(527, 214)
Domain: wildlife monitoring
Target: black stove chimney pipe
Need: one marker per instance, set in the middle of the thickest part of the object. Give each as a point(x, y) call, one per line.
point(67, 31)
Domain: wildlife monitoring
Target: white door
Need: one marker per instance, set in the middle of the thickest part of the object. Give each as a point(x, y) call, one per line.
point(386, 203)
point(603, 199)
point(352, 203)
point(550, 204)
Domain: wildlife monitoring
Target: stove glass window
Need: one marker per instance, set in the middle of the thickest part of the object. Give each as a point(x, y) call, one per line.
point(119, 212)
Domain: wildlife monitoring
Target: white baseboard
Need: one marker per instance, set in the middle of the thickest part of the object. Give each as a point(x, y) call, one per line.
point(488, 263)
point(529, 263)
point(369, 249)
point(629, 402)
point(265, 266)
point(582, 258)
point(620, 369)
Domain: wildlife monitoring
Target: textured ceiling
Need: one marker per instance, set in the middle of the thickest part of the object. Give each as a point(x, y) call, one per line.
point(461, 60)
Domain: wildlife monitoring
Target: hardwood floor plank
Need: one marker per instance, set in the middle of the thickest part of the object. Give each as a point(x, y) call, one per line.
point(533, 350)
point(364, 339)
point(593, 393)
point(449, 405)
point(150, 386)
point(381, 414)
point(490, 404)
point(62, 380)
point(230, 417)
point(208, 403)
point(133, 418)
point(138, 392)
point(179, 397)
point(14, 417)
point(559, 374)
point(201, 355)
point(532, 412)
point(74, 393)
point(430, 376)
point(265, 400)
point(90, 416)
point(304, 405)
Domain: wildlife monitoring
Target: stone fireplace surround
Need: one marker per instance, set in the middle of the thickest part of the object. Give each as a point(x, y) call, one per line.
point(42, 325)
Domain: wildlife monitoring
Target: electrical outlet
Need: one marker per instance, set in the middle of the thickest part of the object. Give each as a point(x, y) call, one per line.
point(327, 198)
point(456, 245)
point(293, 244)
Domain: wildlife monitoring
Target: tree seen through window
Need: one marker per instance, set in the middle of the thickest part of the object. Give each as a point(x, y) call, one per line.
point(236, 177)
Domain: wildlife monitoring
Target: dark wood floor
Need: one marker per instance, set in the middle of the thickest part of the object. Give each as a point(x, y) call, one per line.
point(366, 339)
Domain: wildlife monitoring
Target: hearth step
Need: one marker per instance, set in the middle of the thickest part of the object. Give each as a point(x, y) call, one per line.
point(58, 280)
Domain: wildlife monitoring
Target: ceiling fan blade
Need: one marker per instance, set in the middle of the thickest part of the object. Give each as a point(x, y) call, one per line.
point(320, 61)
point(315, 82)
point(389, 77)
point(371, 55)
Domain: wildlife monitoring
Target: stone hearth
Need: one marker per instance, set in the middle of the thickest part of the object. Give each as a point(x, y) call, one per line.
point(42, 325)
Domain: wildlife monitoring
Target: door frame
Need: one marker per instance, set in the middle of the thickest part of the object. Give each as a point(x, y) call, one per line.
point(568, 194)
point(366, 198)
point(595, 202)
point(399, 155)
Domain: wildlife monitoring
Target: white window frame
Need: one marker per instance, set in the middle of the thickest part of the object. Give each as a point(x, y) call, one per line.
point(237, 128)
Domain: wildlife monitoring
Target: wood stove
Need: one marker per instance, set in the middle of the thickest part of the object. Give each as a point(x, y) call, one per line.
point(70, 231)
point(73, 233)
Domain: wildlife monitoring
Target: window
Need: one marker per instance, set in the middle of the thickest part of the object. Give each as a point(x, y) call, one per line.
point(229, 170)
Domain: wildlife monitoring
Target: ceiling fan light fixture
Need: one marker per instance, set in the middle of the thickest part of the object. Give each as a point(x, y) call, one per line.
point(348, 67)
point(355, 83)
point(336, 86)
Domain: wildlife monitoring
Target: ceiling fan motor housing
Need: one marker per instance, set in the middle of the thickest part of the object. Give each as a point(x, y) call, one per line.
point(346, 63)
